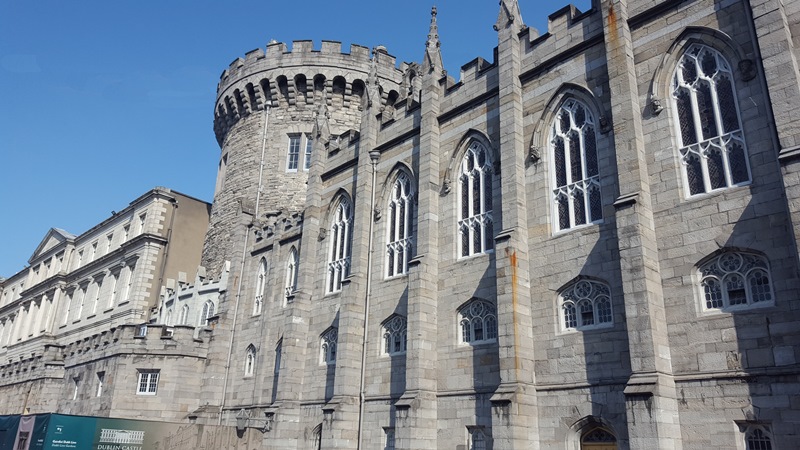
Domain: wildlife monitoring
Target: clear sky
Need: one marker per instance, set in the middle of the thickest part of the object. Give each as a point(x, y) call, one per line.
point(101, 101)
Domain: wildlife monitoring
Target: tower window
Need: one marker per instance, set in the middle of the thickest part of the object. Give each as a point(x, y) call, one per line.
point(293, 155)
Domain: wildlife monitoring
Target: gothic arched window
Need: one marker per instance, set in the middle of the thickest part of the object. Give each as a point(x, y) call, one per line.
point(291, 272)
point(399, 223)
point(478, 320)
point(757, 436)
point(184, 319)
point(261, 285)
point(341, 234)
point(586, 304)
point(712, 147)
point(475, 232)
point(250, 361)
point(735, 280)
point(576, 175)
point(328, 346)
point(207, 312)
point(395, 335)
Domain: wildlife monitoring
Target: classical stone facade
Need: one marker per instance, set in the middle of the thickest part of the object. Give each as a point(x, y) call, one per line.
point(589, 242)
point(73, 333)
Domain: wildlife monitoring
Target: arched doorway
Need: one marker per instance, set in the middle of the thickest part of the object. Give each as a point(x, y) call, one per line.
point(598, 439)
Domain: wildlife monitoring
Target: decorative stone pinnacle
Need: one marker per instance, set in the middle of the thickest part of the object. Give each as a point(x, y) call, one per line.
point(433, 57)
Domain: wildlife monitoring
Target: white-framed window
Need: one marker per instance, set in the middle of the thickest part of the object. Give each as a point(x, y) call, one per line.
point(477, 438)
point(127, 274)
point(712, 147)
point(388, 438)
point(478, 322)
point(98, 284)
point(399, 226)
point(148, 382)
point(80, 302)
point(735, 280)
point(68, 306)
point(328, 346)
point(586, 304)
point(184, 318)
point(250, 361)
point(309, 149)
point(576, 177)
point(475, 226)
point(168, 319)
point(112, 299)
point(100, 379)
point(291, 272)
point(207, 312)
point(341, 234)
point(757, 436)
point(77, 383)
point(261, 286)
point(395, 335)
point(142, 219)
point(293, 153)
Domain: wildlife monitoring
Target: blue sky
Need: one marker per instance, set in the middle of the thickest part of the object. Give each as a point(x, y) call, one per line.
point(101, 101)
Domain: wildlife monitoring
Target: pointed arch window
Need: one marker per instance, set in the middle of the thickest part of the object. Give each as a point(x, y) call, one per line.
point(478, 321)
point(585, 305)
point(475, 232)
point(757, 437)
point(184, 319)
point(207, 312)
point(291, 272)
point(261, 286)
point(712, 146)
point(399, 223)
point(341, 234)
point(576, 174)
point(250, 361)
point(395, 335)
point(735, 280)
point(328, 346)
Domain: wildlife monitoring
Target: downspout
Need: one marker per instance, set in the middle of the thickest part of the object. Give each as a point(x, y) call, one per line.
point(174, 203)
point(373, 155)
point(241, 269)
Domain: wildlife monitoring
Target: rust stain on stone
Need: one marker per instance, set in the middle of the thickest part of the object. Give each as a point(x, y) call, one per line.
point(612, 23)
point(512, 257)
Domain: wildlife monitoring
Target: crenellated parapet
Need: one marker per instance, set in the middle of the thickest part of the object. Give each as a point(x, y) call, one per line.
point(302, 77)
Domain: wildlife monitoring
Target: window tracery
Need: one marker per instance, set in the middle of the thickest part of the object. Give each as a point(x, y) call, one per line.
point(586, 304)
point(735, 280)
point(576, 174)
point(712, 146)
point(475, 224)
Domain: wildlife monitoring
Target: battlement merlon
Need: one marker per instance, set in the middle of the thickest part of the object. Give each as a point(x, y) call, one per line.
point(303, 55)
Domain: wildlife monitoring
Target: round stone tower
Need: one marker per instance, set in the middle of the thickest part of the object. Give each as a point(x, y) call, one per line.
point(264, 117)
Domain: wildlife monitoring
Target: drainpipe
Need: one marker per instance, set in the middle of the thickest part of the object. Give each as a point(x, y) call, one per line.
point(241, 269)
point(174, 202)
point(373, 155)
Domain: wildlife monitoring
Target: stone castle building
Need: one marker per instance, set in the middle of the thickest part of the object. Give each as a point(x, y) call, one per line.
point(590, 242)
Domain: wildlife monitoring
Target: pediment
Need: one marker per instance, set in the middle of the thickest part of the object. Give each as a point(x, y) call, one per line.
point(52, 239)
